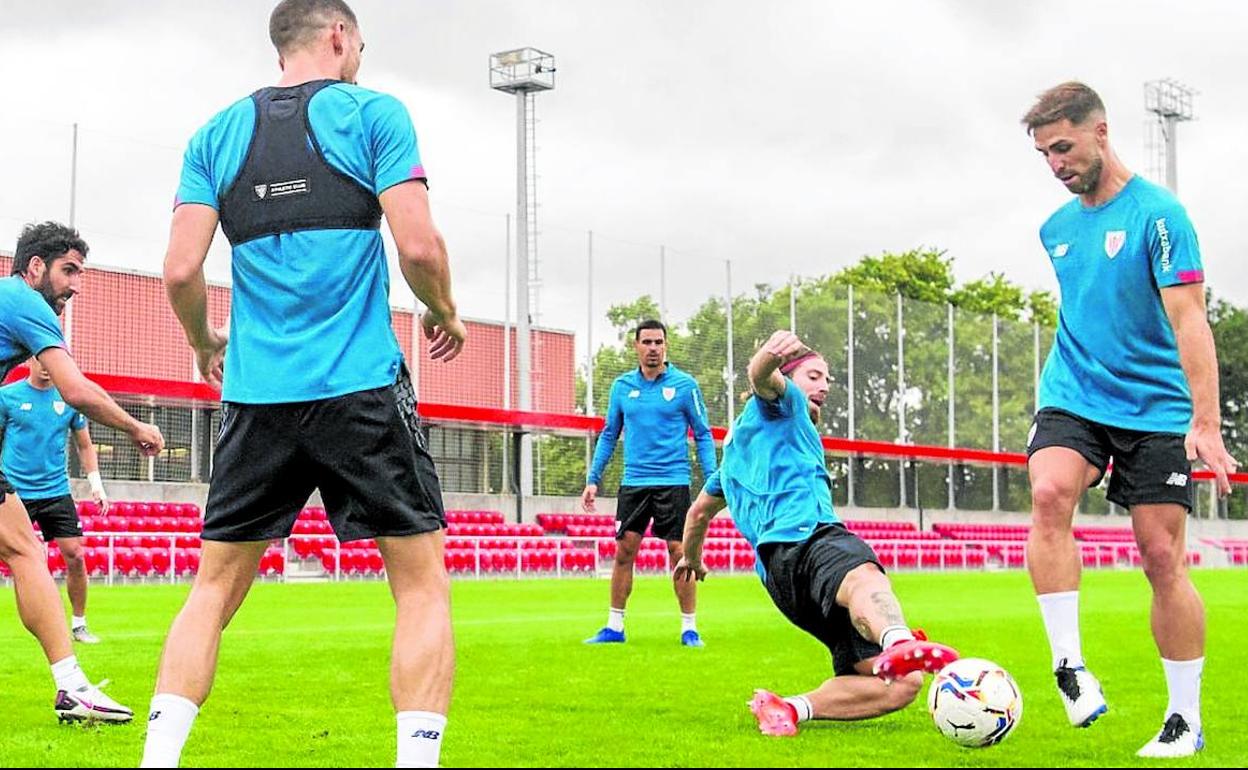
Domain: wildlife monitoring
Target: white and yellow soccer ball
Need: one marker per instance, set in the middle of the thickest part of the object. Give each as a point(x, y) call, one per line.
point(974, 702)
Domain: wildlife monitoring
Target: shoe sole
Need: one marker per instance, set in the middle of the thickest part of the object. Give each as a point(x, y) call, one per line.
point(71, 718)
point(1095, 715)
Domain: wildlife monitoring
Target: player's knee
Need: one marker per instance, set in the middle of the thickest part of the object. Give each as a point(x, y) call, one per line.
point(1163, 560)
point(23, 546)
point(903, 691)
point(72, 553)
point(1052, 504)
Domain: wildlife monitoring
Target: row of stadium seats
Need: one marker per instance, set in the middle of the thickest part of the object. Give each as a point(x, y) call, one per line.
point(361, 561)
point(125, 509)
point(152, 562)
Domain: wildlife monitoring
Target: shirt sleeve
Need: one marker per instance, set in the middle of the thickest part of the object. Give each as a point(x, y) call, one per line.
point(396, 155)
point(78, 422)
point(782, 407)
point(1173, 249)
point(33, 324)
point(195, 185)
point(695, 413)
point(606, 440)
point(713, 486)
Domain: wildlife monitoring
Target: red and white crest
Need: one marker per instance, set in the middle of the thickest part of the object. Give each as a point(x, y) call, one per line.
point(1114, 239)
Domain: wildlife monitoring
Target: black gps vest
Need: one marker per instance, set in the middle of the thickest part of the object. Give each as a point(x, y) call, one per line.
point(285, 184)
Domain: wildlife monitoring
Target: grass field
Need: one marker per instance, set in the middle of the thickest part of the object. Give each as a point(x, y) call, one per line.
point(303, 678)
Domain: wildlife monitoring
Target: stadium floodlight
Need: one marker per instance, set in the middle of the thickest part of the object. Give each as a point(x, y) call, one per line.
point(525, 72)
point(1171, 103)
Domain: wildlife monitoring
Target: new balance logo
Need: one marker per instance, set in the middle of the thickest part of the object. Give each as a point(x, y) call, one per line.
point(153, 716)
point(432, 735)
point(1177, 480)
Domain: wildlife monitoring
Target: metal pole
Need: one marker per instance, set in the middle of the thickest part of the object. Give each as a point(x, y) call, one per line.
point(73, 209)
point(523, 341)
point(793, 303)
point(1172, 153)
point(589, 346)
point(732, 375)
point(1035, 365)
point(663, 284)
point(505, 480)
point(589, 335)
point(901, 398)
point(73, 178)
point(952, 434)
point(849, 388)
point(996, 412)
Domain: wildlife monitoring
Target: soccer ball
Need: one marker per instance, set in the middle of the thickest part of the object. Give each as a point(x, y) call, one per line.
point(974, 702)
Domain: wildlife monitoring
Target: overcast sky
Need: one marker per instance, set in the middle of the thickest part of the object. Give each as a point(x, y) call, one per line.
point(790, 137)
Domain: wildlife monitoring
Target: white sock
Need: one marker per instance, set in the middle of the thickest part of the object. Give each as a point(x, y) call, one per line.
point(68, 675)
point(168, 726)
point(687, 622)
point(893, 635)
point(805, 711)
point(79, 621)
point(1061, 623)
point(1183, 684)
point(420, 738)
point(615, 620)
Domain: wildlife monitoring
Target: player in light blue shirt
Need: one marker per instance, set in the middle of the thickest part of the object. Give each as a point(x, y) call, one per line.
point(656, 406)
point(315, 391)
point(825, 579)
point(47, 273)
point(1132, 379)
point(36, 422)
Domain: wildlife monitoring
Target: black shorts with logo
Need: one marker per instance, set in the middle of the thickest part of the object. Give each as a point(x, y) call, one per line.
point(364, 451)
point(1148, 467)
point(56, 517)
point(667, 506)
point(803, 579)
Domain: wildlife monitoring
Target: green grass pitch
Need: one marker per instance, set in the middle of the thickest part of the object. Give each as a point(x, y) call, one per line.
point(303, 674)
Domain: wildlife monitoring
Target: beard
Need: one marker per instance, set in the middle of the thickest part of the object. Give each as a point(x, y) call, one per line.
point(56, 301)
point(1089, 180)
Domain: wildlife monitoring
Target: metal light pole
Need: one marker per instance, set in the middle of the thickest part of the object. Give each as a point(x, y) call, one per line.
point(524, 72)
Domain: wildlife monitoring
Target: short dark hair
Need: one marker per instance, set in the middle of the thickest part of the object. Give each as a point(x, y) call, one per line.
point(1071, 101)
point(49, 240)
point(651, 324)
point(295, 23)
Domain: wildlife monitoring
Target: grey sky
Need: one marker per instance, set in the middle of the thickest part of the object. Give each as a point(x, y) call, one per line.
point(790, 137)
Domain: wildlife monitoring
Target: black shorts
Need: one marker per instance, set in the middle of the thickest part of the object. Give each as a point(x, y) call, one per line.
point(636, 506)
point(56, 517)
point(5, 487)
point(803, 579)
point(1148, 467)
point(364, 451)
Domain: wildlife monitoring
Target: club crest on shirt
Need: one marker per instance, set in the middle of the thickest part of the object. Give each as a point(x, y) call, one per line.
point(58, 407)
point(669, 394)
point(1114, 239)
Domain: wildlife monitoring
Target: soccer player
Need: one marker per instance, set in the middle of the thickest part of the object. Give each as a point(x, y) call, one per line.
point(1132, 379)
point(36, 420)
point(316, 393)
point(656, 405)
point(825, 579)
point(47, 273)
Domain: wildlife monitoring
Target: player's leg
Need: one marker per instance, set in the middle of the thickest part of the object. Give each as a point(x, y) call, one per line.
point(672, 505)
point(1066, 456)
point(379, 482)
point(632, 516)
point(76, 586)
point(260, 480)
point(1152, 477)
point(422, 663)
point(39, 606)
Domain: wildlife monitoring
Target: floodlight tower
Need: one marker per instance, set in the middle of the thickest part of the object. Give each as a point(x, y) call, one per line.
point(1171, 102)
point(525, 72)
